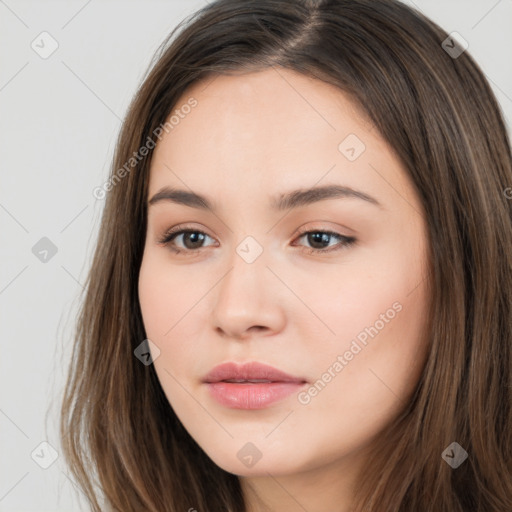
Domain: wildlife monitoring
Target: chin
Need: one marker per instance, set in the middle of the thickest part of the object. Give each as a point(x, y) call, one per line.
point(246, 459)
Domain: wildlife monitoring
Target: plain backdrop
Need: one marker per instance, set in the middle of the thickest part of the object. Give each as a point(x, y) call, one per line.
point(60, 117)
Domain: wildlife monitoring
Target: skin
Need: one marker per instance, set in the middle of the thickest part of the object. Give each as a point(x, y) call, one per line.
point(252, 137)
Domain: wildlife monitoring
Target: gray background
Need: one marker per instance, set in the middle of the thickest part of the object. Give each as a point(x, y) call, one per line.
point(59, 120)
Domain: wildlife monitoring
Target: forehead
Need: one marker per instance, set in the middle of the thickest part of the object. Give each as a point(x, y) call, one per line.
point(267, 103)
point(271, 130)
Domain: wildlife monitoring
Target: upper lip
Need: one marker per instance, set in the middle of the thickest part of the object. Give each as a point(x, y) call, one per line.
point(249, 371)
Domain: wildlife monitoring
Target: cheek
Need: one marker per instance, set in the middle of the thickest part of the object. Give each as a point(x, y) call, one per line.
point(166, 299)
point(372, 288)
point(166, 291)
point(156, 299)
point(359, 394)
point(377, 308)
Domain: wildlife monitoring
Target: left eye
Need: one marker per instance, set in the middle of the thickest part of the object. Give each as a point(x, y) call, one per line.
point(192, 240)
point(323, 239)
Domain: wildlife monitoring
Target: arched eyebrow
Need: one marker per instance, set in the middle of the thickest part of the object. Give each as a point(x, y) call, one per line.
point(286, 201)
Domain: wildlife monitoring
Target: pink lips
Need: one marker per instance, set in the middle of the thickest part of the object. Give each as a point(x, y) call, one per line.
point(250, 386)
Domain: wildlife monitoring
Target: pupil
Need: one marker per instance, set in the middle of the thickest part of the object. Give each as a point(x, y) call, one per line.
point(319, 238)
point(196, 237)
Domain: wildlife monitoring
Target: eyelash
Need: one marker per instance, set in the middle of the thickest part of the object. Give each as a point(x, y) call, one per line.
point(345, 241)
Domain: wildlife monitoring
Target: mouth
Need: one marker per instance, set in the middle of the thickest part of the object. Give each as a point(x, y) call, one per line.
point(253, 372)
point(250, 386)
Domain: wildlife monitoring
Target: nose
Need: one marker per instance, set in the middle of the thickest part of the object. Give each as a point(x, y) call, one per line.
point(249, 301)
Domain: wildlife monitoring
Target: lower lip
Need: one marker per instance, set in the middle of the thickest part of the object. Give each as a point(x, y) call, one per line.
point(251, 396)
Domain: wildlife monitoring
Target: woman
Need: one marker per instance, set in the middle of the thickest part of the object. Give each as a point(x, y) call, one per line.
point(301, 294)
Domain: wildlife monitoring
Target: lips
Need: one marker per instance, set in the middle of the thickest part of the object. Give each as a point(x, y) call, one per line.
point(252, 372)
point(250, 386)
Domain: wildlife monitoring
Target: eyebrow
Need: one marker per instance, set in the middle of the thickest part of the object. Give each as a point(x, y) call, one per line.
point(289, 200)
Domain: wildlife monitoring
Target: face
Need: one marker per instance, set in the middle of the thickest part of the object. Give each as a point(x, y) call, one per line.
point(328, 287)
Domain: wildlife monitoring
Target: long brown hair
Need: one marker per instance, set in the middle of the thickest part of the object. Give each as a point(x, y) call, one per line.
point(123, 443)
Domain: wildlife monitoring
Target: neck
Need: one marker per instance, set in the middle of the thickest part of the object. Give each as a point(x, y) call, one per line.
point(324, 487)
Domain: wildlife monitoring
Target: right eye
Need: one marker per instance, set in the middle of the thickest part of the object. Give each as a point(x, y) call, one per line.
point(191, 239)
